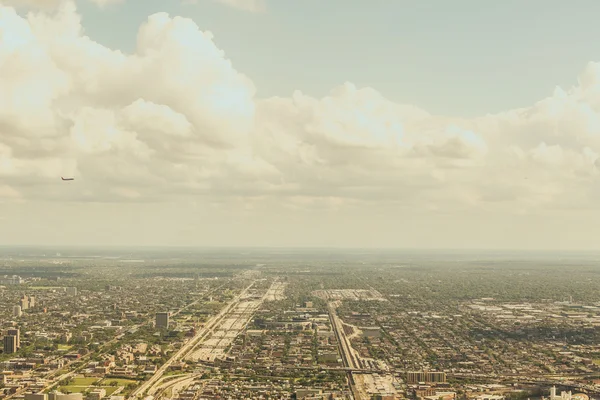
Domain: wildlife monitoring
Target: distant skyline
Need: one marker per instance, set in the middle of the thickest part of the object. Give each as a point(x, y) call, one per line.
point(407, 124)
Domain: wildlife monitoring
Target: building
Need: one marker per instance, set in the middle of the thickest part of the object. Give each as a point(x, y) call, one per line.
point(425, 377)
point(371, 331)
point(563, 395)
point(97, 394)
point(31, 301)
point(435, 377)
point(61, 396)
point(10, 344)
point(442, 396)
point(304, 393)
point(162, 320)
point(415, 377)
point(17, 312)
point(71, 291)
point(11, 280)
point(490, 397)
point(36, 396)
point(24, 302)
point(65, 337)
point(16, 333)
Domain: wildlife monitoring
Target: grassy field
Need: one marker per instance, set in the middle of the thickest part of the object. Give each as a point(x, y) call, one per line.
point(44, 287)
point(82, 384)
point(109, 389)
point(72, 389)
point(80, 389)
point(78, 385)
point(64, 347)
point(83, 381)
point(120, 382)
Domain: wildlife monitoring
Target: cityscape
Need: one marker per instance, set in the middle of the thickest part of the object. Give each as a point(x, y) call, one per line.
point(195, 325)
point(299, 200)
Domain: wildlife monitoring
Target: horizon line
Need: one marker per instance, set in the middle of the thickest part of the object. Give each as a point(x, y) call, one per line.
point(296, 247)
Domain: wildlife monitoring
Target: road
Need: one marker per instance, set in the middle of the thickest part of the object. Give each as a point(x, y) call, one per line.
point(56, 380)
point(166, 380)
point(240, 312)
point(223, 335)
point(175, 385)
point(345, 351)
point(190, 344)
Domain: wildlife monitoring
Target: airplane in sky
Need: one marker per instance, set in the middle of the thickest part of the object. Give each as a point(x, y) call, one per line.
point(67, 179)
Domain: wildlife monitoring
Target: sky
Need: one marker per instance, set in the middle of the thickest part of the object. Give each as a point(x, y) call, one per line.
point(345, 123)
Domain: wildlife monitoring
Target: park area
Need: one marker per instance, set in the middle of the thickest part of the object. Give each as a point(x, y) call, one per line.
point(82, 384)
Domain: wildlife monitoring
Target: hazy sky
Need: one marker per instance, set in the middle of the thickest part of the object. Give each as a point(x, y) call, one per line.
point(410, 124)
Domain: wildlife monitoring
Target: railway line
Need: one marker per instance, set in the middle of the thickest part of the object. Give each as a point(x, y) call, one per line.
point(190, 345)
point(348, 359)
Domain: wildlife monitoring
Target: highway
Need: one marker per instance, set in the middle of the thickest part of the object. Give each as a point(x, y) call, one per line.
point(175, 385)
point(187, 347)
point(345, 351)
point(232, 319)
point(56, 380)
point(223, 335)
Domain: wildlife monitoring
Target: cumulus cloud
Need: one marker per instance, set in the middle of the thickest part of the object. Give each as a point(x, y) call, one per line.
point(175, 119)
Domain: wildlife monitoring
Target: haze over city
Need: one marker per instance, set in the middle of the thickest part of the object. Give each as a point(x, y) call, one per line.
point(299, 200)
point(283, 123)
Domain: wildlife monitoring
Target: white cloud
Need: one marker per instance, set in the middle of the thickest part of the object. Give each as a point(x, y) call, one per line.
point(176, 119)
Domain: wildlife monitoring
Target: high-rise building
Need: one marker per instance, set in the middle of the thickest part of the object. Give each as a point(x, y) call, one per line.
point(17, 312)
point(435, 377)
point(10, 344)
point(415, 377)
point(24, 302)
point(425, 376)
point(31, 301)
point(162, 320)
point(71, 291)
point(15, 332)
